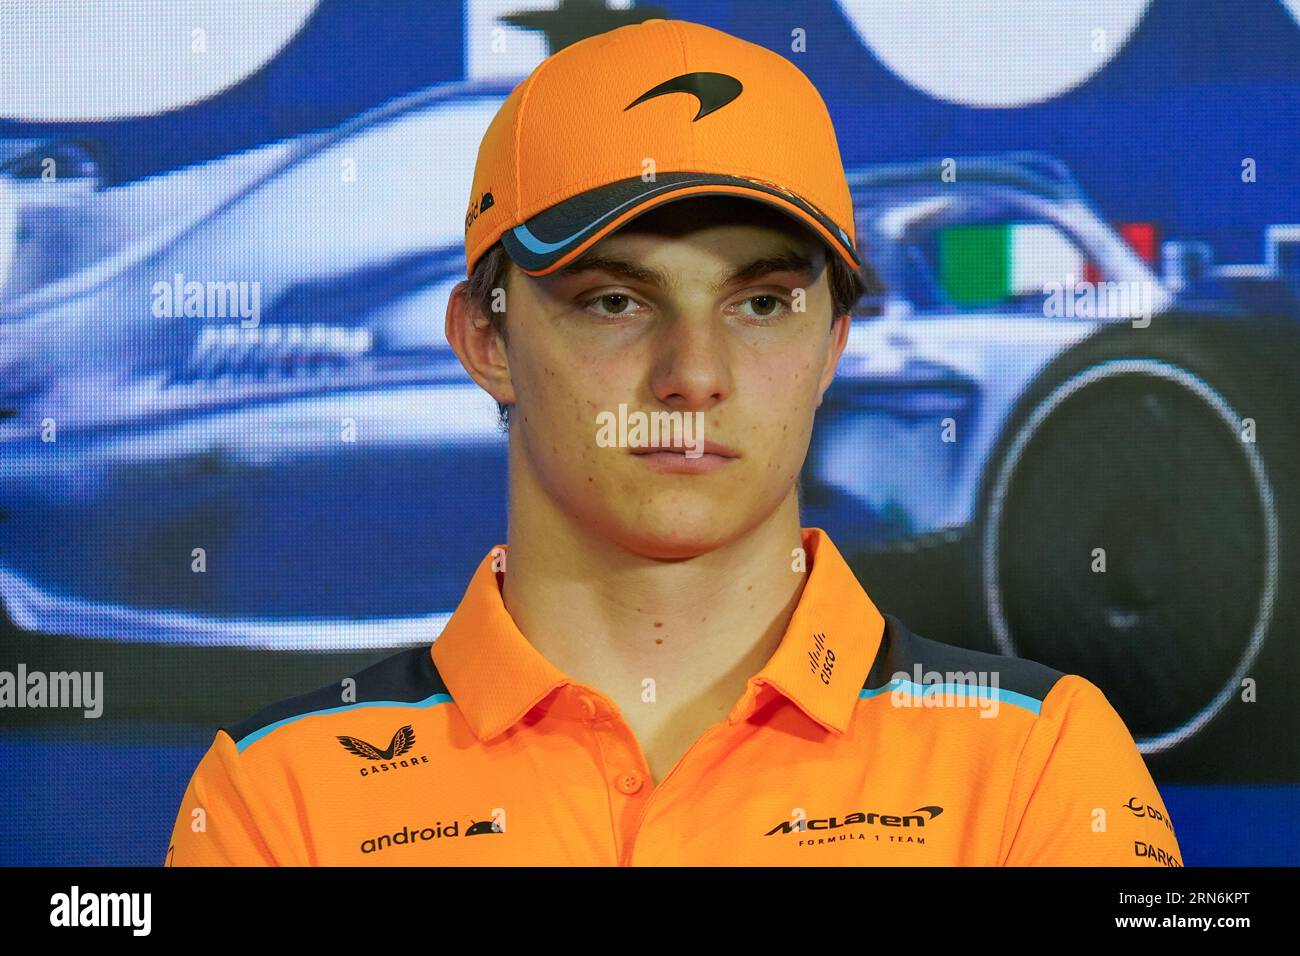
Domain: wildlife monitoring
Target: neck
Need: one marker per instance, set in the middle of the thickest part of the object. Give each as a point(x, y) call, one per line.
point(609, 617)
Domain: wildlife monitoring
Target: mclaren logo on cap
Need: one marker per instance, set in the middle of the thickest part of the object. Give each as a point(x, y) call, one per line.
point(713, 90)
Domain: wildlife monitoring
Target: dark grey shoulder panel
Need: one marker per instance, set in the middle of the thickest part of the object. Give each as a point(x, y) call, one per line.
point(407, 676)
point(901, 651)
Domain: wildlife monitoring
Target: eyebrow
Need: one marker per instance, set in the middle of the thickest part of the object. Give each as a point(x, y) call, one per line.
point(787, 261)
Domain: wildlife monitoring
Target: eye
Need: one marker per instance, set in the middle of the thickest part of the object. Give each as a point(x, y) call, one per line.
point(620, 305)
point(767, 306)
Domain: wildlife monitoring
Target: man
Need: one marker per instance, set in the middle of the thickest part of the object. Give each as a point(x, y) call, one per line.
point(661, 666)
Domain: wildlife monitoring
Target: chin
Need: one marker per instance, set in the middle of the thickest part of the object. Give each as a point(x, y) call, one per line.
point(675, 532)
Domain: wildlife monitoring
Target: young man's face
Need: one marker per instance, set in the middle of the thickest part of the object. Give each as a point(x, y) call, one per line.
point(666, 319)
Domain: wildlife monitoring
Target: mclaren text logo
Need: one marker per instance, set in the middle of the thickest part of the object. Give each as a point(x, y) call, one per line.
point(833, 829)
point(403, 740)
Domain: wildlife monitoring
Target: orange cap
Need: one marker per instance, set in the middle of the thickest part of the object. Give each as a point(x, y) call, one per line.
point(616, 124)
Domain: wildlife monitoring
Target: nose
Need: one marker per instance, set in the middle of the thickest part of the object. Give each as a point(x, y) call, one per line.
point(691, 371)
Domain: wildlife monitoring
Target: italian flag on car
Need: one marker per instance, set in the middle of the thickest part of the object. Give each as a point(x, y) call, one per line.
point(988, 263)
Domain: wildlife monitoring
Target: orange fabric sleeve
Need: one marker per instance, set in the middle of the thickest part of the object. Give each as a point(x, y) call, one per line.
point(1082, 794)
point(225, 818)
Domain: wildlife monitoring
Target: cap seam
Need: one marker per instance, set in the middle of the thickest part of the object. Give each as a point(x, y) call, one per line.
point(833, 149)
point(831, 142)
point(518, 139)
point(681, 43)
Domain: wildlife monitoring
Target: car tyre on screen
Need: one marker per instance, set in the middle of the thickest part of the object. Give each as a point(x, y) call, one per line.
point(1138, 525)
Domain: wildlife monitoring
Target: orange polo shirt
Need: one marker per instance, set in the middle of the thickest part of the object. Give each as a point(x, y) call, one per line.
point(858, 743)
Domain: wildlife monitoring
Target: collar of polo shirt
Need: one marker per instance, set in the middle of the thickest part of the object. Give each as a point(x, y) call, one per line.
point(496, 676)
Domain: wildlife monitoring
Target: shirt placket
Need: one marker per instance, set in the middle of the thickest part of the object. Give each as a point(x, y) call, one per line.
point(623, 767)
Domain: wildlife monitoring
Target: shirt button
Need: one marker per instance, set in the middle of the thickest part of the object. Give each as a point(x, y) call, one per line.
point(588, 707)
point(629, 782)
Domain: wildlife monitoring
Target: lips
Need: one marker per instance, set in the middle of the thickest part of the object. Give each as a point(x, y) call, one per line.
point(710, 448)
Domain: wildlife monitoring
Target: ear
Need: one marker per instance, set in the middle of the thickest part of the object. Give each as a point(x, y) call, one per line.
point(839, 338)
point(478, 346)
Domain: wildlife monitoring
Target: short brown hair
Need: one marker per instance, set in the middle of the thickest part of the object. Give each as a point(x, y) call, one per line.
point(847, 286)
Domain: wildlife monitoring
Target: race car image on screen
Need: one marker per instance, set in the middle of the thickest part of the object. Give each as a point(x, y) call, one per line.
point(1085, 440)
point(327, 459)
point(229, 414)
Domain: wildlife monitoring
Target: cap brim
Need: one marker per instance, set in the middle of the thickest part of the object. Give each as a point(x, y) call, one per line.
point(557, 235)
